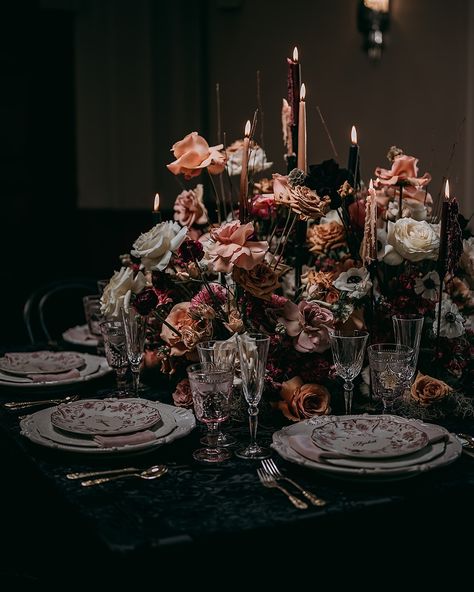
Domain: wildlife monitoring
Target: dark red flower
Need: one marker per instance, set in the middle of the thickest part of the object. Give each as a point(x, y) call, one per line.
point(190, 251)
point(146, 301)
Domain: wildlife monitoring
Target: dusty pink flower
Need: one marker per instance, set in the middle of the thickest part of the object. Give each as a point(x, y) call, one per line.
point(263, 206)
point(301, 401)
point(193, 154)
point(404, 170)
point(308, 324)
point(189, 207)
point(182, 396)
point(230, 247)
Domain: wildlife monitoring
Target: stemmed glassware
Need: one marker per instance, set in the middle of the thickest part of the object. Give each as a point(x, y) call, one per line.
point(211, 388)
point(390, 371)
point(135, 332)
point(115, 345)
point(407, 329)
point(348, 349)
point(253, 352)
point(221, 354)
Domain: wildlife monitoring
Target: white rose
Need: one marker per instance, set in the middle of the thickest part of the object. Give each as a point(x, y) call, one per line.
point(156, 246)
point(257, 161)
point(414, 240)
point(119, 289)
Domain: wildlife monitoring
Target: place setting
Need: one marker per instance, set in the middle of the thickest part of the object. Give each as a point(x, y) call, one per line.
point(41, 369)
point(108, 426)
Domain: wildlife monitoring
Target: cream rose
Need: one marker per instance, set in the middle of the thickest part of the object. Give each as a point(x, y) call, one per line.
point(414, 240)
point(156, 246)
point(118, 291)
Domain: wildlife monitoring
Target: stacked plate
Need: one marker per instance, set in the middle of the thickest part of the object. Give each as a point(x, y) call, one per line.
point(46, 368)
point(107, 426)
point(369, 447)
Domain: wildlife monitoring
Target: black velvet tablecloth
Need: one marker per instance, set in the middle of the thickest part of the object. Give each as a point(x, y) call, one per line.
point(198, 516)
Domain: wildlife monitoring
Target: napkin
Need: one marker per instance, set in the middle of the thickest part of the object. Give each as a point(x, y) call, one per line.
point(305, 446)
point(54, 377)
point(126, 439)
point(81, 333)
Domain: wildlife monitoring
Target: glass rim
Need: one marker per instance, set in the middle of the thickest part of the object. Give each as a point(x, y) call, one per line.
point(207, 368)
point(223, 342)
point(408, 317)
point(362, 334)
point(111, 322)
point(395, 348)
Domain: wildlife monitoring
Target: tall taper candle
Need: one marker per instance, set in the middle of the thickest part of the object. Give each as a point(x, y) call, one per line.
point(293, 86)
point(302, 130)
point(353, 162)
point(244, 175)
point(156, 214)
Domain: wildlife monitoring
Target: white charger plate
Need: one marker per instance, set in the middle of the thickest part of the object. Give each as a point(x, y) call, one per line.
point(47, 430)
point(105, 417)
point(377, 470)
point(184, 419)
point(80, 335)
point(95, 367)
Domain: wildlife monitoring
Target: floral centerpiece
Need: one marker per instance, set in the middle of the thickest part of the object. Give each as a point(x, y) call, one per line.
point(368, 253)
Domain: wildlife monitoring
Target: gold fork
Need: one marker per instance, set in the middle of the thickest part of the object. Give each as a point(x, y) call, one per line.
point(268, 481)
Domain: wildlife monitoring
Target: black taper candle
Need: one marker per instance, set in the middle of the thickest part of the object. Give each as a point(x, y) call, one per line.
point(353, 164)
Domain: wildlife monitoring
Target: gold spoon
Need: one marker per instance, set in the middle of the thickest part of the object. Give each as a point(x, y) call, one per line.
point(151, 473)
point(26, 404)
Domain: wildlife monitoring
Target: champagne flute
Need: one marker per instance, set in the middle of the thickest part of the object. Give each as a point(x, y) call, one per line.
point(253, 352)
point(135, 332)
point(348, 353)
point(407, 329)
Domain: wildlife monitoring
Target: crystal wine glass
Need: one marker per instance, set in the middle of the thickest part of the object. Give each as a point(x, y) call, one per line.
point(221, 354)
point(407, 329)
point(390, 371)
point(135, 332)
point(211, 388)
point(115, 345)
point(253, 352)
point(348, 350)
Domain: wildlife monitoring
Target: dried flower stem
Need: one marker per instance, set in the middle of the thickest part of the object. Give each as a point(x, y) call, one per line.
point(286, 240)
point(326, 129)
point(282, 234)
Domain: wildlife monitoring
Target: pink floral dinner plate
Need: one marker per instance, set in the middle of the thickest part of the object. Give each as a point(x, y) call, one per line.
point(375, 436)
point(105, 417)
point(40, 362)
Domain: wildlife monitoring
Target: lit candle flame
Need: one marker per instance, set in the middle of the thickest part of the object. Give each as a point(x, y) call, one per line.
point(371, 185)
point(303, 92)
point(446, 190)
point(156, 205)
point(295, 54)
point(354, 135)
point(247, 129)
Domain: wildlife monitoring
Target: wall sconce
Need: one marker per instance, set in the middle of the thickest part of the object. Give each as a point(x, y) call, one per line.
point(373, 20)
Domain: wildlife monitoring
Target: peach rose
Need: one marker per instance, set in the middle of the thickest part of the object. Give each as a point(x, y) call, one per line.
point(323, 238)
point(261, 281)
point(301, 401)
point(182, 396)
point(188, 331)
point(427, 390)
point(189, 207)
point(404, 171)
point(193, 154)
point(235, 323)
point(231, 247)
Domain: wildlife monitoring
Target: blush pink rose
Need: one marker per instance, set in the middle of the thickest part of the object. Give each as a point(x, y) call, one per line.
point(229, 246)
point(263, 206)
point(308, 324)
point(404, 170)
point(189, 207)
point(193, 154)
point(182, 396)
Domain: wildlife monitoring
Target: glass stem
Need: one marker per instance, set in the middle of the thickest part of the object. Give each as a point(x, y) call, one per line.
point(212, 435)
point(121, 382)
point(253, 424)
point(348, 388)
point(136, 379)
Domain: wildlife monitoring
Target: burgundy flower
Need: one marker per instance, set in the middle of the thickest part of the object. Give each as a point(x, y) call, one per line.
point(190, 251)
point(146, 301)
point(203, 296)
point(182, 396)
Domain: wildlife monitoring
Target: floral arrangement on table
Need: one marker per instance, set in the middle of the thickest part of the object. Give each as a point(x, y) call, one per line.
point(297, 255)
